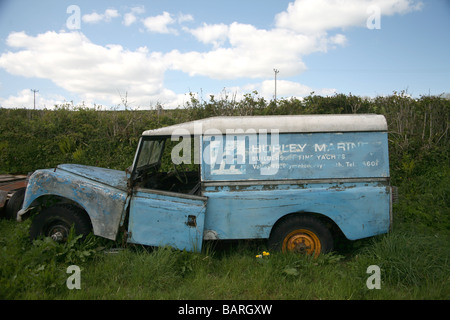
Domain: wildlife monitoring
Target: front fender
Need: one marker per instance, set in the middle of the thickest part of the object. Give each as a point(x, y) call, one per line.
point(103, 203)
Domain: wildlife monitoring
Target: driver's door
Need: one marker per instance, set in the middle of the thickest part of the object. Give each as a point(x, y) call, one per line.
point(162, 218)
point(158, 216)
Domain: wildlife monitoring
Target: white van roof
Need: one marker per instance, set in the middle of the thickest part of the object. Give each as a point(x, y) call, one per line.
point(282, 123)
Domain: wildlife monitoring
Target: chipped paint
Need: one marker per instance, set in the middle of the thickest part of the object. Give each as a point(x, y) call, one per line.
point(331, 166)
point(287, 156)
point(103, 203)
point(251, 212)
point(163, 218)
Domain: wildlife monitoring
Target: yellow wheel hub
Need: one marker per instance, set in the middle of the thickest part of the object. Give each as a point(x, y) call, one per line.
point(302, 241)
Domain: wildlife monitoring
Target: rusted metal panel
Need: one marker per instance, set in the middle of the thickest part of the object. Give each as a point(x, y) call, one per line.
point(103, 202)
point(8, 185)
point(12, 186)
point(8, 178)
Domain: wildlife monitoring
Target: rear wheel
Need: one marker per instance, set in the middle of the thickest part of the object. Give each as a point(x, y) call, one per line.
point(301, 234)
point(56, 221)
point(15, 203)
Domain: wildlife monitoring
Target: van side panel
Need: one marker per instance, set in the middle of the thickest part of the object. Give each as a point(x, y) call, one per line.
point(268, 156)
point(253, 179)
point(359, 209)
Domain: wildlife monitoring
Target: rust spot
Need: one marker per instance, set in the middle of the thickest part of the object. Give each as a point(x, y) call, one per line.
point(13, 185)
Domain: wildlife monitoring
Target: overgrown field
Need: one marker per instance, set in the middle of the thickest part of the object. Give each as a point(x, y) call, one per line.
point(413, 258)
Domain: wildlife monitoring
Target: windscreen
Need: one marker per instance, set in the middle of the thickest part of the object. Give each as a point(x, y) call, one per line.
point(150, 153)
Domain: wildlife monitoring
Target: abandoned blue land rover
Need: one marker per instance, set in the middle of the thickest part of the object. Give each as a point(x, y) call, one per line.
point(294, 180)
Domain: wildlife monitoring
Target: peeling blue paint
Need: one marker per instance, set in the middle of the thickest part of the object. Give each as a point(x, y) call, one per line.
point(248, 182)
point(295, 156)
point(251, 212)
point(103, 203)
point(159, 219)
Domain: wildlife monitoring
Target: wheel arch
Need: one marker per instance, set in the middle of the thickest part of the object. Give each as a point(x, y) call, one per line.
point(48, 200)
point(105, 204)
point(335, 230)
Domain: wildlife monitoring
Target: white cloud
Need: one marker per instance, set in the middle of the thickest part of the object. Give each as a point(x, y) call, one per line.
point(215, 34)
point(316, 16)
point(131, 17)
point(284, 89)
point(25, 99)
point(95, 17)
point(96, 73)
point(338, 39)
point(160, 23)
point(111, 13)
point(243, 51)
point(92, 17)
point(184, 18)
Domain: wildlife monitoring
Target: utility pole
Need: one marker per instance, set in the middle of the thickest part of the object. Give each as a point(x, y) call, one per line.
point(276, 72)
point(34, 97)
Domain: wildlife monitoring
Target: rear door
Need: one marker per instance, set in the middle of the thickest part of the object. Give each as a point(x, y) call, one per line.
point(161, 218)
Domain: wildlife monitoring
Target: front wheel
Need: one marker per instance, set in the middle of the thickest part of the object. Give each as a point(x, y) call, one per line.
point(301, 234)
point(56, 221)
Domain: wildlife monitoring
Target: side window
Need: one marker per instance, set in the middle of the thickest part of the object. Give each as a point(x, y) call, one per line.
point(159, 166)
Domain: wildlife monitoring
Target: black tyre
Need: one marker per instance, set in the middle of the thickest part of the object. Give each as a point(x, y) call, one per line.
point(15, 204)
point(303, 234)
point(56, 222)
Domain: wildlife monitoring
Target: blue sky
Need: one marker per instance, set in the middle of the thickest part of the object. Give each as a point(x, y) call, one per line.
point(97, 52)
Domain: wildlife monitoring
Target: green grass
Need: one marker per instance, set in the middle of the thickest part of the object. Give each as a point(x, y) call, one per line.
point(414, 265)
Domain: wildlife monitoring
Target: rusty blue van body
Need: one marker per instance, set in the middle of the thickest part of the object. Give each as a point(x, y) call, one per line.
point(294, 180)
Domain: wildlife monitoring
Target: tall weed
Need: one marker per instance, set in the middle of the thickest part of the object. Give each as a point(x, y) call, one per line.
point(38, 269)
point(411, 260)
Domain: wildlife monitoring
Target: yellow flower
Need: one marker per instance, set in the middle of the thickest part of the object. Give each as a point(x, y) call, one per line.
point(264, 254)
